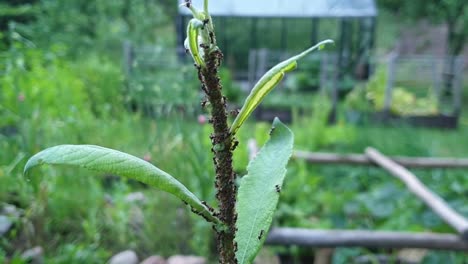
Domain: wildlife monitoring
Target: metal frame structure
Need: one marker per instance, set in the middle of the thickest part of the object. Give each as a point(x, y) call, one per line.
point(430, 71)
point(354, 21)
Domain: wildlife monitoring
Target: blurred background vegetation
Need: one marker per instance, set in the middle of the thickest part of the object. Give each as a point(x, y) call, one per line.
point(63, 80)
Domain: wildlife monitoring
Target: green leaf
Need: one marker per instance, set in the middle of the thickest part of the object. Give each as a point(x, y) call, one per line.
point(205, 7)
point(195, 12)
point(267, 83)
point(112, 161)
point(259, 192)
point(192, 35)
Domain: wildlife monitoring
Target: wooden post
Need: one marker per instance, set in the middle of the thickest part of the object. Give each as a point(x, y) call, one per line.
point(390, 83)
point(314, 31)
point(359, 159)
point(128, 57)
point(181, 31)
point(457, 85)
point(252, 68)
point(364, 238)
point(253, 33)
point(437, 204)
point(365, 52)
point(373, 31)
point(367, 238)
point(323, 256)
point(284, 34)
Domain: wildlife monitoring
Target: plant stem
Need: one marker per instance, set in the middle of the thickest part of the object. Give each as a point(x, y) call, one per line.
point(222, 142)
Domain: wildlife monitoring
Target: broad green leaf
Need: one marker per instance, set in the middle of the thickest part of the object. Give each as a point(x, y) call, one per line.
point(192, 36)
point(112, 161)
point(259, 192)
point(267, 83)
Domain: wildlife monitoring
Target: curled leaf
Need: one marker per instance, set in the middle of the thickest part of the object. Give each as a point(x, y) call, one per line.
point(193, 41)
point(205, 7)
point(267, 83)
point(112, 161)
point(195, 12)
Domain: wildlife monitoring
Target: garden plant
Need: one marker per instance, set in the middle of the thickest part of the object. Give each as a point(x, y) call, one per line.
point(245, 204)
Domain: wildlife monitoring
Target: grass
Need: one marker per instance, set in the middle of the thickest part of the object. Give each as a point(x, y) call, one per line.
point(93, 212)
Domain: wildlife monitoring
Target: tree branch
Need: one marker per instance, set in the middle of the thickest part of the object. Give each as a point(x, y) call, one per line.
point(222, 142)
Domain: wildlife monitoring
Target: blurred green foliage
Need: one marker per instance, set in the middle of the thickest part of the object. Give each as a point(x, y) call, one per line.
point(45, 83)
point(307, 77)
point(40, 83)
point(371, 97)
point(99, 25)
point(159, 90)
point(93, 215)
point(453, 13)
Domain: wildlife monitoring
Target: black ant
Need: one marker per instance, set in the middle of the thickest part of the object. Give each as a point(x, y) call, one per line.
point(207, 206)
point(271, 131)
point(261, 234)
point(211, 37)
point(205, 22)
point(234, 112)
point(234, 145)
point(278, 188)
point(204, 102)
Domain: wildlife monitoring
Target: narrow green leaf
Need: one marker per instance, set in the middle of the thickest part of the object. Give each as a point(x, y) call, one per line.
point(267, 83)
point(195, 12)
point(112, 161)
point(259, 192)
point(205, 7)
point(192, 35)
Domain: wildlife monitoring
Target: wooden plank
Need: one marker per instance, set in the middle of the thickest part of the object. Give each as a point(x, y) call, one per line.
point(437, 204)
point(128, 57)
point(390, 82)
point(364, 238)
point(358, 159)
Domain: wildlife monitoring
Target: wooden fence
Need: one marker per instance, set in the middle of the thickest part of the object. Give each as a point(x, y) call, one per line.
point(381, 239)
